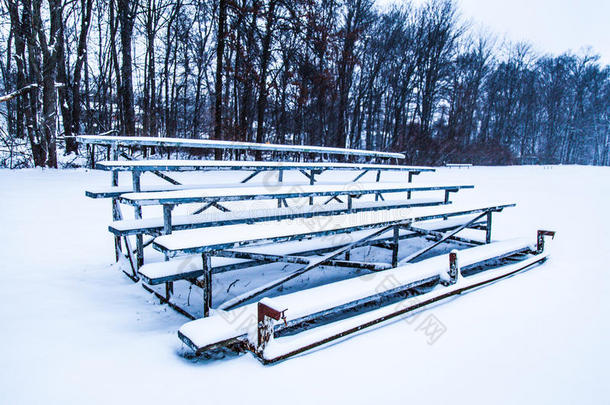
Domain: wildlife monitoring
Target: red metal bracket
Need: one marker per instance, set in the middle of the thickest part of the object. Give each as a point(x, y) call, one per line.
point(265, 329)
point(540, 239)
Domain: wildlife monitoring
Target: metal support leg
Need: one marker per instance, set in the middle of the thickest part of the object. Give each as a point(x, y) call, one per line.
point(377, 178)
point(312, 180)
point(395, 240)
point(92, 157)
point(410, 181)
point(115, 156)
point(488, 228)
point(169, 290)
point(207, 284)
point(115, 207)
point(138, 215)
point(133, 263)
point(116, 216)
point(448, 199)
point(167, 222)
point(167, 218)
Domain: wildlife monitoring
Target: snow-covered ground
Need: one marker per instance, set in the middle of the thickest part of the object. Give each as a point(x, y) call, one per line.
point(76, 330)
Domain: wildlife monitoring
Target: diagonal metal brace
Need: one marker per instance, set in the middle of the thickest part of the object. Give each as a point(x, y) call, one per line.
point(295, 259)
point(448, 235)
point(437, 234)
point(358, 177)
point(232, 303)
point(333, 198)
point(209, 205)
point(251, 176)
point(156, 172)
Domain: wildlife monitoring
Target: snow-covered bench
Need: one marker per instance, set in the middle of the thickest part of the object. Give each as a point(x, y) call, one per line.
point(216, 165)
point(310, 170)
point(190, 266)
point(281, 192)
point(117, 191)
point(216, 196)
point(154, 226)
point(231, 328)
point(223, 240)
point(233, 236)
point(113, 143)
point(158, 167)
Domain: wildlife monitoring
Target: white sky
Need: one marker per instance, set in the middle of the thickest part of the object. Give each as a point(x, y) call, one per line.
point(551, 26)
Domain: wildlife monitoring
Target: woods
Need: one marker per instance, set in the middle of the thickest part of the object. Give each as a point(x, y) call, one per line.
point(343, 73)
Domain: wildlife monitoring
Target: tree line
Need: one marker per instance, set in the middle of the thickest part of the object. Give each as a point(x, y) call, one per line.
point(344, 73)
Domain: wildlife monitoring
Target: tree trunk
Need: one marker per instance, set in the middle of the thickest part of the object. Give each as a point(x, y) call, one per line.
point(262, 89)
point(81, 55)
point(126, 13)
point(220, 48)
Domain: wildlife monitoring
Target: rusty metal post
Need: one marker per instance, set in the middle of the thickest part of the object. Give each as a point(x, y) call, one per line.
point(453, 267)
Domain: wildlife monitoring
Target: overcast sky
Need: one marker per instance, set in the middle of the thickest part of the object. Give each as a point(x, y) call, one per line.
point(553, 26)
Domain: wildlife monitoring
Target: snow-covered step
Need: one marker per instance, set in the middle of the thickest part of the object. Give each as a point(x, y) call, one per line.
point(232, 236)
point(191, 165)
point(225, 326)
point(191, 266)
point(182, 268)
point(266, 192)
point(219, 144)
point(116, 191)
point(207, 219)
point(281, 348)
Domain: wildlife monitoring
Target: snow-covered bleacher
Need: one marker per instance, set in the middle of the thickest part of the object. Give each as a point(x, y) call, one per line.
point(295, 230)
